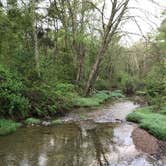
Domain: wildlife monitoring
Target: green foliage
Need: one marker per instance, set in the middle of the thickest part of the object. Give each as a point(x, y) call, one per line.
point(30, 121)
point(154, 123)
point(156, 87)
point(65, 93)
point(117, 94)
point(141, 93)
point(127, 83)
point(86, 102)
point(42, 102)
point(163, 110)
point(50, 100)
point(12, 101)
point(102, 84)
point(8, 127)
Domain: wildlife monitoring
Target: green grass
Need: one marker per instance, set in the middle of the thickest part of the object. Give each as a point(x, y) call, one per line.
point(8, 126)
point(30, 121)
point(97, 98)
point(56, 122)
point(154, 123)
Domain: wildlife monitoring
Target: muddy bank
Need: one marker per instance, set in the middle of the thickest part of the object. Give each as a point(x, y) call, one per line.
point(149, 144)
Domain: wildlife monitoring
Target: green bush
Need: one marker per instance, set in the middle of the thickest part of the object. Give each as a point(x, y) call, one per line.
point(156, 88)
point(127, 83)
point(64, 94)
point(50, 100)
point(102, 84)
point(42, 102)
point(8, 126)
point(154, 123)
point(12, 102)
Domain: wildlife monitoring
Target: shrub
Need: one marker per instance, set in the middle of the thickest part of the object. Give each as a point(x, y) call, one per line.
point(42, 102)
point(50, 100)
point(8, 126)
point(102, 84)
point(127, 83)
point(12, 102)
point(156, 88)
point(64, 94)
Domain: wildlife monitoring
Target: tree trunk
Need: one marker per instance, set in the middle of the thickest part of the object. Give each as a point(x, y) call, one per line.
point(95, 67)
point(36, 52)
point(116, 16)
point(80, 67)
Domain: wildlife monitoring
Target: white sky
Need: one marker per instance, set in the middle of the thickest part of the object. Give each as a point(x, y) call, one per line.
point(150, 19)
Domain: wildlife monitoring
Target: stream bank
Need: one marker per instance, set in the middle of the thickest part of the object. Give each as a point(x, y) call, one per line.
point(88, 137)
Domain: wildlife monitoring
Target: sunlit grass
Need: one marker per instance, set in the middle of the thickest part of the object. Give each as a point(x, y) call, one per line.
point(30, 121)
point(153, 122)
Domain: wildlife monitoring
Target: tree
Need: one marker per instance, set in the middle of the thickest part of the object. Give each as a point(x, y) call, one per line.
point(118, 12)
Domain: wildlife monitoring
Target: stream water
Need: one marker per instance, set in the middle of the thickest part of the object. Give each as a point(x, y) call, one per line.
point(86, 138)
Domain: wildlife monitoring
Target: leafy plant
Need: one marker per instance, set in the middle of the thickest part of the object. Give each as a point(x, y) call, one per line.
point(12, 101)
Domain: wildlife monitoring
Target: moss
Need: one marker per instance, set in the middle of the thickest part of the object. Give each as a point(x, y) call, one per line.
point(30, 121)
point(8, 126)
point(154, 123)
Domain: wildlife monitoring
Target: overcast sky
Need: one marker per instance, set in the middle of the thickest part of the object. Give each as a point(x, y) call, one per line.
point(151, 18)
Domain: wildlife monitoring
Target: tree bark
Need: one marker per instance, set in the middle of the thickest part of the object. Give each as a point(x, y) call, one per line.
point(35, 38)
point(116, 16)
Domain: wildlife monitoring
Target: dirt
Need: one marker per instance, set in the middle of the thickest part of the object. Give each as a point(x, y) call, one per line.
point(148, 143)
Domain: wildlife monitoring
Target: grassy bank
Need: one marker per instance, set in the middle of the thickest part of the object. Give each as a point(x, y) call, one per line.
point(8, 126)
point(97, 98)
point(153, 122)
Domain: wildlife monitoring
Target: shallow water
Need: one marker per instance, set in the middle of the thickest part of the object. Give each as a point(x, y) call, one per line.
point(79, 143)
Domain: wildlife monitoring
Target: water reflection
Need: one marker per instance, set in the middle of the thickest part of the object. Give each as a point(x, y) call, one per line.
point(64, 145)
point(83, 144)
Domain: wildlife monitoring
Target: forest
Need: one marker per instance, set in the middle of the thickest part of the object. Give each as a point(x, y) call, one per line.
point(60, 55)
